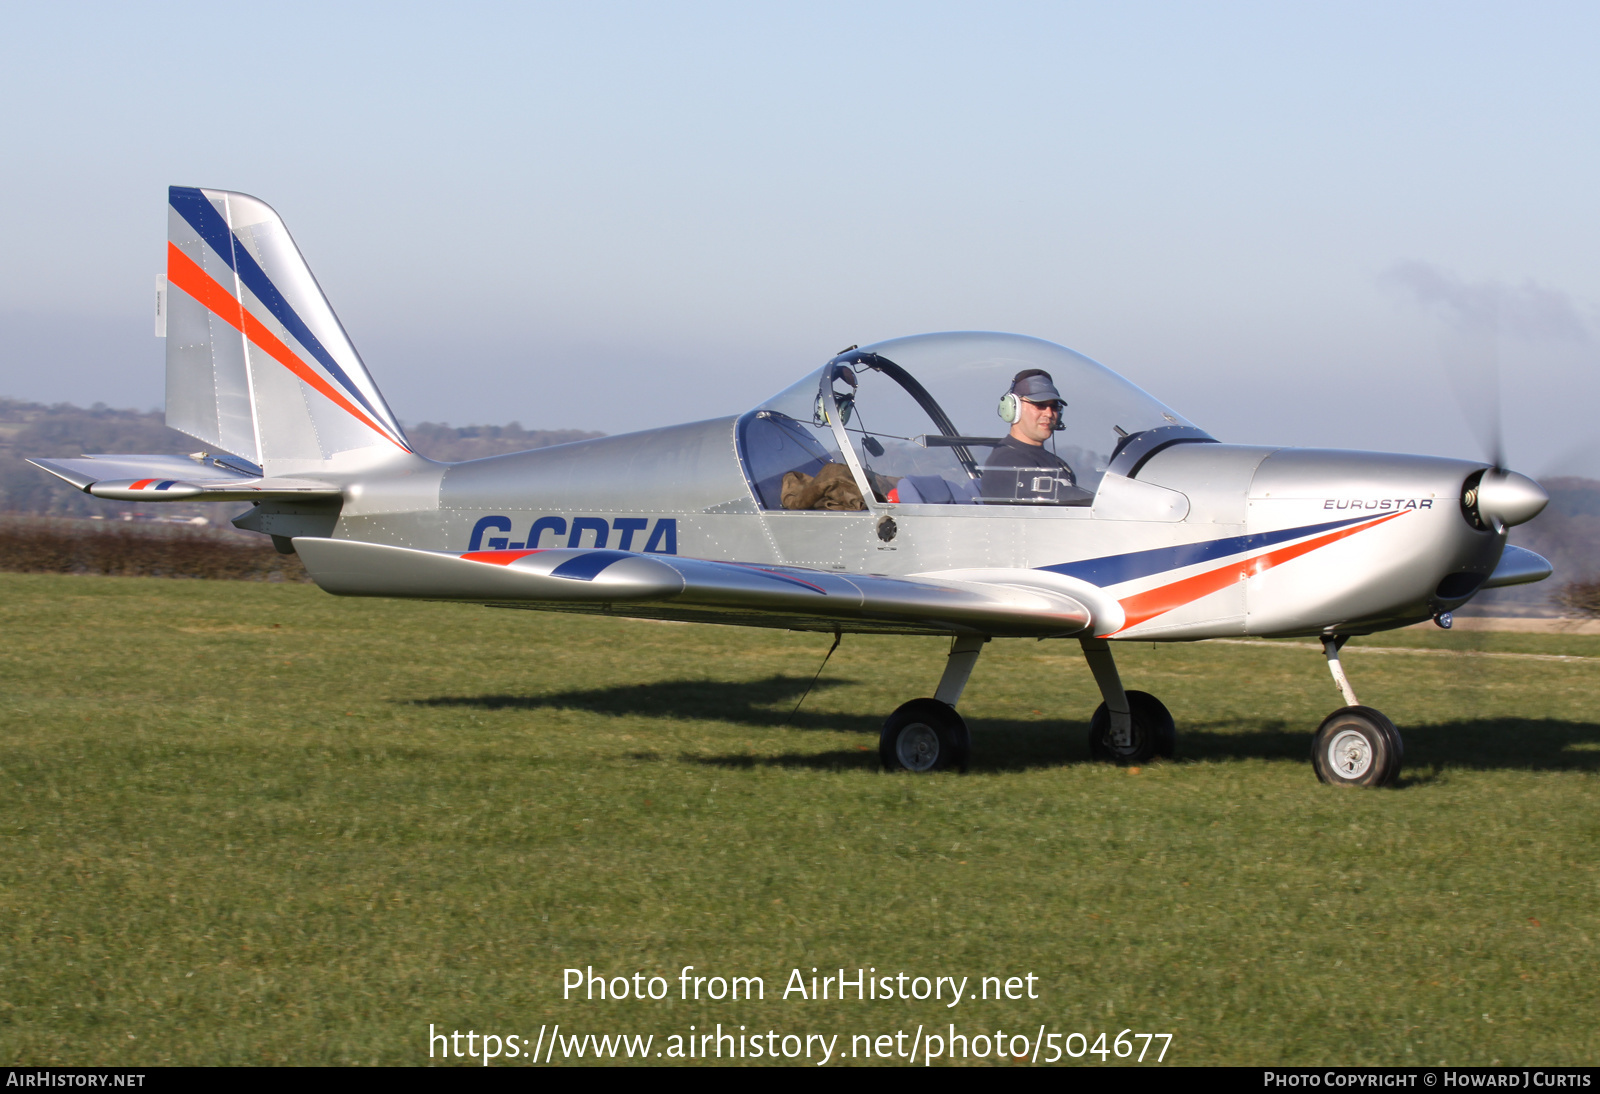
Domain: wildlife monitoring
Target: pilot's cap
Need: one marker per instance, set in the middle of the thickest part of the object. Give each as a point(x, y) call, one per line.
point(1036, 386)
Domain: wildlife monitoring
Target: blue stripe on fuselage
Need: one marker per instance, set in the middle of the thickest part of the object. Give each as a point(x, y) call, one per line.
point(1115, 569)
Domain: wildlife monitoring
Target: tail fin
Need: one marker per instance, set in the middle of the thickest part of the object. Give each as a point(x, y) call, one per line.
point(257, 363)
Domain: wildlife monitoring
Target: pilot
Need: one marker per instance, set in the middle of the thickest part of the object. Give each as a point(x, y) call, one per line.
point(1020, 468)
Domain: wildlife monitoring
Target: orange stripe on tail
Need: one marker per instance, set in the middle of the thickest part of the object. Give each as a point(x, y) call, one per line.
point(185, 273)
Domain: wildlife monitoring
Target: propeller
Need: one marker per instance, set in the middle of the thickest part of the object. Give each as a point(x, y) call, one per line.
point(1470, 351)
point(1497, 498)
point(1473, 316)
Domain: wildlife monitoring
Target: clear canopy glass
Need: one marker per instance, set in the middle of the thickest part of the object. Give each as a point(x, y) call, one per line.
point(921, 416)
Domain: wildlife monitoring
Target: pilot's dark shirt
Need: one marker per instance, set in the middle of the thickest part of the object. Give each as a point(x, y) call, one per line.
point(1035, 466)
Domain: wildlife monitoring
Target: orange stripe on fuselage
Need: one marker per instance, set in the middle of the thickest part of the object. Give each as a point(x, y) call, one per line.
point(1147, 605)
point(185, 273)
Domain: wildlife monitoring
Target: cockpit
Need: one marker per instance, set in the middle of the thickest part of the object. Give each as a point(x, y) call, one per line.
point(914, 421)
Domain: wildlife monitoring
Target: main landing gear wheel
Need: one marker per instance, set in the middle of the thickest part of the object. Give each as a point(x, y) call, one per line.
point(1153, 732)
point(924, 735)
point(1357, 746)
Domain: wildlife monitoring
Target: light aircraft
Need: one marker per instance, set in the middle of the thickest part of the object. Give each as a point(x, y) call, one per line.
point(1166, 535)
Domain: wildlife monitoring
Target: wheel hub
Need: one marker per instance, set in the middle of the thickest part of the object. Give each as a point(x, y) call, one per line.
point(1350, 754)
point(917, 747)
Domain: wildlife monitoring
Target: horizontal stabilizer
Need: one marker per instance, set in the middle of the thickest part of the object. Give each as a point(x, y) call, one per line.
point(667, 586)
point(87, 470)
point(251, 490)
point(201, 477)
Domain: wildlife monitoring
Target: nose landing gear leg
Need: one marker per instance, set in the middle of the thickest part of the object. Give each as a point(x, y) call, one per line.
point(1355, 745)
point(928, 734)
point(1130, 727)
point(1331, 645)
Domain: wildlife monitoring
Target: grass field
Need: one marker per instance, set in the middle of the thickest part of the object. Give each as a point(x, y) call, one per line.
point(252, 823)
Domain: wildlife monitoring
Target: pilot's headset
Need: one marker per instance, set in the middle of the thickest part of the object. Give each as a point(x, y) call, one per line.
point(1028, 384)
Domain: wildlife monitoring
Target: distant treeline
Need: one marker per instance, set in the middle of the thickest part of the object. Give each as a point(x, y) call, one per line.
point(64, 430)
point(33, 545)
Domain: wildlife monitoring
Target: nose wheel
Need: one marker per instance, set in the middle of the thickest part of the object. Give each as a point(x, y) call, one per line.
point(1355, 745)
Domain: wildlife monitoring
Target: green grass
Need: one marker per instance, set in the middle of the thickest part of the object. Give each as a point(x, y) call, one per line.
point(250, 823)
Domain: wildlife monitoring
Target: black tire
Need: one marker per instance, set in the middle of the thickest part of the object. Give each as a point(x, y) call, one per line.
point(1153, 736)
point(1357, 746)
point(924, 735)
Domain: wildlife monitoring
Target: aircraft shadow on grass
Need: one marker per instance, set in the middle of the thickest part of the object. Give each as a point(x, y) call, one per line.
point(766, 702)
point(1510, 744)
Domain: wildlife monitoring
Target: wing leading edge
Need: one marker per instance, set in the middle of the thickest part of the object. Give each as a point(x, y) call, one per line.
point(703, 590)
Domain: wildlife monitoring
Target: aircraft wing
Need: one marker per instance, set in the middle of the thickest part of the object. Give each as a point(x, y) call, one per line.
point(1025, 603)
point(201, 477)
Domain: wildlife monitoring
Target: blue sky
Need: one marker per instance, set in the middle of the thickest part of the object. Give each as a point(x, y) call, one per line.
point(1276, 217)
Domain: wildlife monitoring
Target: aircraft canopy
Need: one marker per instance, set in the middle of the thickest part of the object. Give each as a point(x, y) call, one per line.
point(920, 418)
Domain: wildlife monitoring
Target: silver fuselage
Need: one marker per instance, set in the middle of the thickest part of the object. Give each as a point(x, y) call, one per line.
point(682, 490)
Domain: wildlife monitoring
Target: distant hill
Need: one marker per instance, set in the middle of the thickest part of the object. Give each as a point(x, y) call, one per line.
point(33, 429)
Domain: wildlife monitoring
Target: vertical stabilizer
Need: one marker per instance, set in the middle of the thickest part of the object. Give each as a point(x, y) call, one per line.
point(257, 363)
